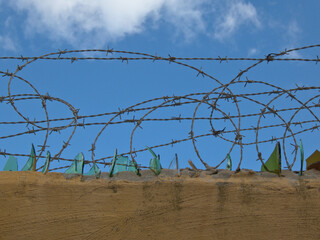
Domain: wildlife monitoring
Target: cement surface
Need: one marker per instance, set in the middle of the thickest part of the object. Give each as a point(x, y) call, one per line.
point(226, 205)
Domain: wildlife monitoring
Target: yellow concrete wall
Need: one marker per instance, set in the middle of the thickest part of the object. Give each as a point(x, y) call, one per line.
point(243, 206)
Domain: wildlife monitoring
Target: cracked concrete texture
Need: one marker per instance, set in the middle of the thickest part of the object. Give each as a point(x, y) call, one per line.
point(226, 205)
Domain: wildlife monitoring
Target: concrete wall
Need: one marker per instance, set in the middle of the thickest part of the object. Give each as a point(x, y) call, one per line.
point(235, 206)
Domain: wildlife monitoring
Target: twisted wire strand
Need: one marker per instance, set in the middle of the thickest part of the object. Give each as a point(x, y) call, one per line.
point(222, 94)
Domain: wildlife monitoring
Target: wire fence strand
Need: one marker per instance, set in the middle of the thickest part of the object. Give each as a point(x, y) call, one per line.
point(234, 131)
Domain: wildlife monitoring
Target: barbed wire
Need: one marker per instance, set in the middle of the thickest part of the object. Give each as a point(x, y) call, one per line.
point(235, 130)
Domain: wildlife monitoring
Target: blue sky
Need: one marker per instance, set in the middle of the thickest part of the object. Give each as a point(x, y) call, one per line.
point(181, 28)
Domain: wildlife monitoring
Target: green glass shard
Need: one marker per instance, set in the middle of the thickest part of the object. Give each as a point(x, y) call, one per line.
point(118, 164)
point(113, 163)
point(274, 162)
point(94, 170)
point(174, 164)
point(133, 167)
point(229, 163)
point(155, 165)
point(46, 164)
point(302, 157)
point(29, 165)
point(152, 152)
point(121, 164)
point(11, 164)
point(77, 165)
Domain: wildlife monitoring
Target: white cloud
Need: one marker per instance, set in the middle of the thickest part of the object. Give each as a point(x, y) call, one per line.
point(292, 33)
point(293, 29)
point(294, 54)
point(238, 13)
point(186, 16)
point(252, 52)
point(96, 22)
point(7, 43)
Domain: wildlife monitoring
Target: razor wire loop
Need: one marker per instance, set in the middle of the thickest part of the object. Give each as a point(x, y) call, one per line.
point(19, 68)
point(222, 92)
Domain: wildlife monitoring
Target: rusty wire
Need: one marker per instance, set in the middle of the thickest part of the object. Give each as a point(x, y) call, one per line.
point(212, 99)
